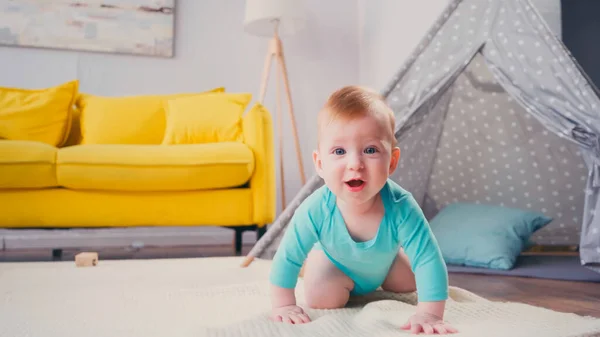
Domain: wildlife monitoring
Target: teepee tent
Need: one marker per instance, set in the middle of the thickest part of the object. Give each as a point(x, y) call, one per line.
point(492, 108)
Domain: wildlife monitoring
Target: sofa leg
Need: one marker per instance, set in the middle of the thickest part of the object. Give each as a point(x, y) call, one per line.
point(260, 231)
point(57, 254)
point(238, 241)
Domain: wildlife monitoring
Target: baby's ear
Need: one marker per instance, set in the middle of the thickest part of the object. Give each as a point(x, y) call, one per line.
point(318, 163)
point(395, 159)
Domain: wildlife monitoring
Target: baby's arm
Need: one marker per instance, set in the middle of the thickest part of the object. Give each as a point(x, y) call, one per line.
point(282, 297)
point(297, 241)
point(427, 263)
point(432, 308)
point(421, 247)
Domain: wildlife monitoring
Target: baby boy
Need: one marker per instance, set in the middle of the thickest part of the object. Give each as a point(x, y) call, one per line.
point(360, 230)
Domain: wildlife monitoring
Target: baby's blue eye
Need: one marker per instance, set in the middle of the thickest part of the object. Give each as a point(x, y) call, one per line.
point(370, 150)
point(339, 151)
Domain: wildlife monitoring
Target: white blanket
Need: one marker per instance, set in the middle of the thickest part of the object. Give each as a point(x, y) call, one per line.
point(215, 297)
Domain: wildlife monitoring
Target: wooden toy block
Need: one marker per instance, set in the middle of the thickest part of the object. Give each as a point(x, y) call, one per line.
point(86, 259)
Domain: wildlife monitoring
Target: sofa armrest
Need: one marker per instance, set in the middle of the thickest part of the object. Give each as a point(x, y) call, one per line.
point(258, 135)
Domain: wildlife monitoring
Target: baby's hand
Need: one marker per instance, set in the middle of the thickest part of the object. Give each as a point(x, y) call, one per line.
point(292, 314)
point(429, 324)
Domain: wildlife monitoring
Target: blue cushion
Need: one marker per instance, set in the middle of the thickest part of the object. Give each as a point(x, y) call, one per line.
point(487, 236)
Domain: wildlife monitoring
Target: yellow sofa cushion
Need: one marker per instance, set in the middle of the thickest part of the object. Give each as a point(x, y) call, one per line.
point(154, 167)
point(61, 207)
point(27, 164)
point(42, 115)
point(126, 119)
point(205, 118)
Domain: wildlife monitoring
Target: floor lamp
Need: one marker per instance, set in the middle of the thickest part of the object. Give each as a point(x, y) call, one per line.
point(275, 18)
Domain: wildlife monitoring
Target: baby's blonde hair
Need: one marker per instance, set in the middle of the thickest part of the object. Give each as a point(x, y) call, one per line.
point(351, 102)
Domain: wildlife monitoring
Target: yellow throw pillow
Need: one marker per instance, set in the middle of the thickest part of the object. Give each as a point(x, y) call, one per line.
point(42, 115)
point(127, 119)
point(208, 118)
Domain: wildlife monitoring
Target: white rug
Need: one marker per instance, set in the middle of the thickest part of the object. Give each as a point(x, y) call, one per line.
point(215, 297)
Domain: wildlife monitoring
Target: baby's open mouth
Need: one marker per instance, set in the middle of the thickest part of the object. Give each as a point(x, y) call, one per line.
point(355, 182)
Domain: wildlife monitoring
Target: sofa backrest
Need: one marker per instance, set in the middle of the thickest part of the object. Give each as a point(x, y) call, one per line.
point(136, 119)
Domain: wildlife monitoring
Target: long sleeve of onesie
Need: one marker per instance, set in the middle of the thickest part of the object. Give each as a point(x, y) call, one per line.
point(421, 247)
point(298, 239)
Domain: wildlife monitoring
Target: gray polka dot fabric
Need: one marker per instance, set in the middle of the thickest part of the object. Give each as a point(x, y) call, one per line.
point(418, 149)
point(492, 151)
point(513, 120)
point(492, 108)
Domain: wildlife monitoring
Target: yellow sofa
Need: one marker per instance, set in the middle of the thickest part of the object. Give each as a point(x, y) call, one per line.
point(75, 160)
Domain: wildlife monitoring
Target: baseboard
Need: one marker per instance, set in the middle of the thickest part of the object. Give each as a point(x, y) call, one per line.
point(558, 250)
point(136, 237)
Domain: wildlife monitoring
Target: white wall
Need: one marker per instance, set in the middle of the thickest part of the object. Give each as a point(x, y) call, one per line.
point(389, 31)
point(213, 50)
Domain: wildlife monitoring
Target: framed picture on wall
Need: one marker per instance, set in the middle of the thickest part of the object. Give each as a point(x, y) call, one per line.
point(139, 27)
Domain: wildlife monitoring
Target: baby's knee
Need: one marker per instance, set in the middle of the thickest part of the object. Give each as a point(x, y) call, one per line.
point(326, 298)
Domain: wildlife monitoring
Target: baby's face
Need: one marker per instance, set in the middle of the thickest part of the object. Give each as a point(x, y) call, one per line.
point(355, 158)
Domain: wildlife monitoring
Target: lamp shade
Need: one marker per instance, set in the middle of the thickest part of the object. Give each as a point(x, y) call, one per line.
point(261, 15)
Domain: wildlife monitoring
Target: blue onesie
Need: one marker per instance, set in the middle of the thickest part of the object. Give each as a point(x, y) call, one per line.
point(318, 223)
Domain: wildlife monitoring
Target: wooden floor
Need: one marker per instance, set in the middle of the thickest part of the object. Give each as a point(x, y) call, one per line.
point(582, 298)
